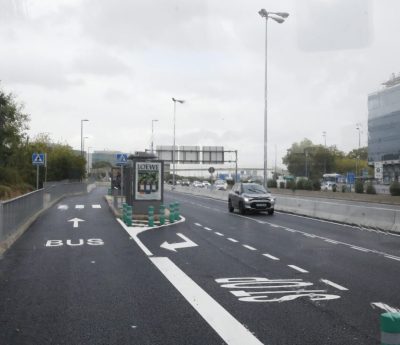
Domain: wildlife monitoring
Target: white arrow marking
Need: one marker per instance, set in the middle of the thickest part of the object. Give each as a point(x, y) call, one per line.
point(76, 221)
point(385, 307)
point(173, 246)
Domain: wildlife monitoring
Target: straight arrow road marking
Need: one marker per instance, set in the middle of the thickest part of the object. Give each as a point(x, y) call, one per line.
point(174, 246)
point(76, 222)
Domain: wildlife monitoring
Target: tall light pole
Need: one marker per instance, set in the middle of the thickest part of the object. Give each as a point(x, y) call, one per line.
point(152, 135)
point(324, 135)
point(83, 148)
point(358, 128)
point(88, 158)
point(181, 101)
point(82, 121)
point(279, 17)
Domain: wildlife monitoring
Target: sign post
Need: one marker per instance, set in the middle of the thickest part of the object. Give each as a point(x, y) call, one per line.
point(378, 169)
point(38, 159)
point(122, 159)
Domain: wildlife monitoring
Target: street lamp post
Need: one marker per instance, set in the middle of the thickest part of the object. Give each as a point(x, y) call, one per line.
point(358, 128)
point(324, 135)
point(82, 121)
point(88, 158)
point(83, 149)
point(152, 135)
point(173, 148)
point(279, 17)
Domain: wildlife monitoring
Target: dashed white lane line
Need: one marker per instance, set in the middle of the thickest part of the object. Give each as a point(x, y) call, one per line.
point(309, 235)
point(331, 241)
point(198, 224)
point(62, 207)
point(360, 249)
point(271, 256)
point(297, 268)
point(79, 206)
point(206, 228)
point(275, 225)
point(219, 234)
point(248, 247)
point(337, 286)
point(96, 206)
point(227, 327)
point(232, 240)
point(392, 257)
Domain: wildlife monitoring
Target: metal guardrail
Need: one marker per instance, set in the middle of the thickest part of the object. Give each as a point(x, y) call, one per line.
point(16, 212)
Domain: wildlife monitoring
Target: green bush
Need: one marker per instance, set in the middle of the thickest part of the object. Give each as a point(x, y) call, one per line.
point(272, 184)
point(334, 188)
point(5, 192)
point(282, 184)
point(344, 188)
point(316, 185)
point(291, 185)
point(370, 189)
point(359, 187)
point(300, 183)
point(308, 185)
point(395, 188)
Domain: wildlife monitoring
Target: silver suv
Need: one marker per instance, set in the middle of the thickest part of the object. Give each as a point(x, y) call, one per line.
point(250, 196)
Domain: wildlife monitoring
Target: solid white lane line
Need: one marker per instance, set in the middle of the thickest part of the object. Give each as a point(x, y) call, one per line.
point(79, 206)
point(271, 256)
point(297, 268)
point(309, 235)
point(248, 247)
point(227, 327)
point(337, 286)
point(198, 224)
point(232, 240)
point(96, 206)
point(219, 234)
point(133, 233)
point(207, 228)
point(331, 241)
point(360, 249)
point(288, 229)
point(392, 257)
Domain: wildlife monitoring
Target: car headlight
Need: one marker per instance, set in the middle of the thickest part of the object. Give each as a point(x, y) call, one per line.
point(246, 199)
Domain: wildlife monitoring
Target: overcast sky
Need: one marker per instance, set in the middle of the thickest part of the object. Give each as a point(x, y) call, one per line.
point(118, 63)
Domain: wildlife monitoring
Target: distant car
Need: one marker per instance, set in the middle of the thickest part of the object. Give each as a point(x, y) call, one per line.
point(197, 184)
point(179, 182)
point(206, 184)
point(220, 185)
point(250, 197)
point(328, 185)
point(185, 182)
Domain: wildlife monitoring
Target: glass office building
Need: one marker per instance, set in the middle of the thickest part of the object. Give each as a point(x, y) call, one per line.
point(384, 128)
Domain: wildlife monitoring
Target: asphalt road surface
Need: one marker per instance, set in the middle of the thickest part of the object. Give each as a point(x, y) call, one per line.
point(78, 276)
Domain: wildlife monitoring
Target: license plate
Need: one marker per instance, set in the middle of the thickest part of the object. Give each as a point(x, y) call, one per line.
point(261, 205)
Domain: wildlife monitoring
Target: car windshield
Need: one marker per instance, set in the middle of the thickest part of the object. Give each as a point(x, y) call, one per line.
point(254, 188)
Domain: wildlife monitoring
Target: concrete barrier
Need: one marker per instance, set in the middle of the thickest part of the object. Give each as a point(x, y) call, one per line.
point(385, 217)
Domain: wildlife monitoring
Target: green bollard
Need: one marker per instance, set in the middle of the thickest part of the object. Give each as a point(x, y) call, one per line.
point(162, 214)
point(390, 328)
point(176, 211)
point(128, 216)
point(171, 213)
point(151, 216)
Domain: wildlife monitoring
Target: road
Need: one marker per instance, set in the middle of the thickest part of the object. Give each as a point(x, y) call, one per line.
point(78, 276)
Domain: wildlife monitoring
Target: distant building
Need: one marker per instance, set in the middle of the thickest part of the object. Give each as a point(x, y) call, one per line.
point(384, 128)
point(104, 156)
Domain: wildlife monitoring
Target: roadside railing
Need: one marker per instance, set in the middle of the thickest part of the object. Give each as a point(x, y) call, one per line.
point(20, 211)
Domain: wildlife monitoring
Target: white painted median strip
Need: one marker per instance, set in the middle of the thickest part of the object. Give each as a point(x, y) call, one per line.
point(248, 247)
point(232, 240)
point(227, 327)
point(219, 234)
point(337, 286)
point(271, 257)
point(298, 268)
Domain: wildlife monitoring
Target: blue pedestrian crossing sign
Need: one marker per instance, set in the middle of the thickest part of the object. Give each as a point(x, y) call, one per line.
point(38, 159)
point(122, 158)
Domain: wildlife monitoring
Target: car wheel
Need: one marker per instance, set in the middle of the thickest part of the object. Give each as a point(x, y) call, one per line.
point(230, 207)
point(271, 211)
point(242, 210)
